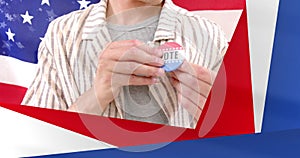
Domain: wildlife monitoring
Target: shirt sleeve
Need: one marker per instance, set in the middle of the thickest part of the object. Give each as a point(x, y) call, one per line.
point(45, 90)
point(214, 45)
point(208, 44)
point(221, 45)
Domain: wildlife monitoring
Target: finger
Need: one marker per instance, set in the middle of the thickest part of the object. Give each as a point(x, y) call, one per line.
point(150, 50)
point(124, 43)
point(187, 80)
point(191, 108)
point(130, 52)
point(120, 80)
point(196, 71)
point(189, 93)
point(141, 56)
point(114, 53)
point(129, 68)
point(125, 80)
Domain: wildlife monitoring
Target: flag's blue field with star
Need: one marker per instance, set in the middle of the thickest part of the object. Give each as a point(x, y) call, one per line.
point(32, 17)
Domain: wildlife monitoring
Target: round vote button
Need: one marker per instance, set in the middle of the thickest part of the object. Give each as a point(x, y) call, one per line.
point(173, 55)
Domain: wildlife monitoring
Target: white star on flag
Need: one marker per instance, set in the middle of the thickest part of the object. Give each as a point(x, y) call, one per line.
point(83, 4)
point(10, 35)
point(45, 2)
point(2, 24)
point(27, 18)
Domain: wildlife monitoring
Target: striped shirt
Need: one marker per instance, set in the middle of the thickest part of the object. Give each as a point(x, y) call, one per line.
point(68, 58)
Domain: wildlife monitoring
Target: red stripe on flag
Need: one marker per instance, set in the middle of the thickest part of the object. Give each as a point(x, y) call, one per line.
point(11, 94)
point(210, 4)
point(237, 116)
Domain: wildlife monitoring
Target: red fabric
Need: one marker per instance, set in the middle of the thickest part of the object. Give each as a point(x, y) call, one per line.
point(11, 94)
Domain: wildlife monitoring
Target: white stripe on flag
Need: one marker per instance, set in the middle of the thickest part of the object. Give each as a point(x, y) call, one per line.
point(16, 72)
point(226, 19)
point(262, 17)
point(23, 136)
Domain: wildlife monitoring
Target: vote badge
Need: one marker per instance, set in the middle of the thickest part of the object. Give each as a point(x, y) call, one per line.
point(173, 55)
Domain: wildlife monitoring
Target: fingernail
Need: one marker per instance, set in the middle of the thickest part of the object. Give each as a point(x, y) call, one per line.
point(155, 80)
point(137, 42)
point(161, 72)
point(159, 61)
point(158, 52)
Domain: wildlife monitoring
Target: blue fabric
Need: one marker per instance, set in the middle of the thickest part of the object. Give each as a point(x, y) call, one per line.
point(273, 145)
point(282, 110)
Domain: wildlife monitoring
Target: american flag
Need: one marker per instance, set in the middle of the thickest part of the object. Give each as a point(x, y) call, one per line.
point(23, 24)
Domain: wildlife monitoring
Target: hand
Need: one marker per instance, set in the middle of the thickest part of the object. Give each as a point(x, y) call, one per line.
point(193, 84)
point(125, 63)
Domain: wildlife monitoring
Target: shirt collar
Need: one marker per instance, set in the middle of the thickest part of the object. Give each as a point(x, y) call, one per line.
point(97, 18)
point(167, 22)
